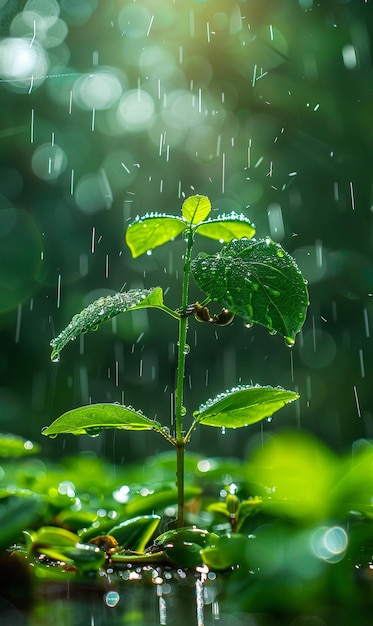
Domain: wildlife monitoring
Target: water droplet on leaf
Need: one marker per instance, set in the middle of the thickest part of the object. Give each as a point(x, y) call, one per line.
point(94, 431)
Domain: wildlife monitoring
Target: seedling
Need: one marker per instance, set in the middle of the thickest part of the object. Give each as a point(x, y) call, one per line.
point(255, 280)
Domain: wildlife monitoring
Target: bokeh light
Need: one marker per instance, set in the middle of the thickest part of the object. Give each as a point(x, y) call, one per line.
point(330, 543)
point(93, 193)
point(23, 63)
point(48, 161)
point(135, 111)
point(100, 90)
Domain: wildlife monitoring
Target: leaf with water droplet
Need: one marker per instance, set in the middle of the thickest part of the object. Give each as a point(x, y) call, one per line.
point(251, 279)
point(224, 228)
point(104, 309)
point(88, 420)
point(153, 230)
point(195, 209)
point(243, 405)
point(135, 533)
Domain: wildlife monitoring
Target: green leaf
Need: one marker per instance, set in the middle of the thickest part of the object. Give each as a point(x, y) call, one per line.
point(226, 552)
point(104, 309)
point(93, 418)
point(258, 281)
point(195, 209)
point(134, 534)
point(151, 231)
point(224, 228)
point(18, 512)
point(163, 496)
point(242, 406)
point(15, 446)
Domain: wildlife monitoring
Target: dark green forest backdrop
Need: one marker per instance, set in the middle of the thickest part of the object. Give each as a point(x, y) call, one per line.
point(109, 109)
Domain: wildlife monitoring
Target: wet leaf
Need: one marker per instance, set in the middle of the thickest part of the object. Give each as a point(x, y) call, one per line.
point(228, 551)
point(224, 228)
point(18, 512)
point(242, 406)
point(52, 536)
point(179, 536)
point(151, 231)
point(75, 519)
point(183, 545)
point(163, 496)
point(15, 446)
point(86, 558)
point(135, 533)
point(104, 309)
point(62, 545)
point(195, 209)
point(93, 418)
point(258, 281)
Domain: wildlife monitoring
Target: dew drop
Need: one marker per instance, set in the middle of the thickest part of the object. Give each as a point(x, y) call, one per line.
point(55, 358)
point(149, 252)
point(111, 598)
point(248, 324)
point(223, 430)
point(289, 342)
point(183, 411)
point(94, 431)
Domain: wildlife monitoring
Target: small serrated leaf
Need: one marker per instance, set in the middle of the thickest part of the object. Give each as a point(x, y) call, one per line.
point(256, 280)
point(151, 231)
point(195, 209)
point(93, 418)
point(104, 309)
point(243, 405)
point(224, 228)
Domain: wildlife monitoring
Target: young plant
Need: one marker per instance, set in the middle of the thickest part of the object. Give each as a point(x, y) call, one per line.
point(252, 279)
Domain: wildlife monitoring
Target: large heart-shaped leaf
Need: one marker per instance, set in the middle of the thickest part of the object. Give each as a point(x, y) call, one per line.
point(151, 231)
point(258, 281)
point(242, 406)
point(104, 309)
point(93, 418)
point(226, 227)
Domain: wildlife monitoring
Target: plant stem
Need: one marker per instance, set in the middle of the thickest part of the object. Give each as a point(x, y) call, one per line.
point(182, 350)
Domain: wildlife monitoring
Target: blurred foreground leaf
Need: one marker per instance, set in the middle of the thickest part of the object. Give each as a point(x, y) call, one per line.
point(18, 512)
point(15, 446)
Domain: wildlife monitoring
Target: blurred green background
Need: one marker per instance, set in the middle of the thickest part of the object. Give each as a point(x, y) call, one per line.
point(111, 109)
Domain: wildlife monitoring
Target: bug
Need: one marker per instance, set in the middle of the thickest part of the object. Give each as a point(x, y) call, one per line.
point(202, 314)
